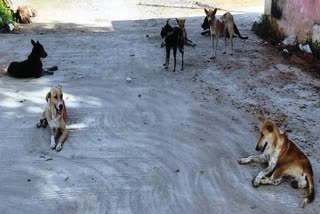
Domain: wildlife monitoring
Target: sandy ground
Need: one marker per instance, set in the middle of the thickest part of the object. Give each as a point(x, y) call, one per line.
point(165, 142)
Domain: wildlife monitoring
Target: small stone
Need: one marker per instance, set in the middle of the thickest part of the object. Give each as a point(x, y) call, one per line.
point(29, 180)
point(252, 207)
point(128, 79)
point(139, 95)
point(178, 170)
point(147, 35)
point(132, 55)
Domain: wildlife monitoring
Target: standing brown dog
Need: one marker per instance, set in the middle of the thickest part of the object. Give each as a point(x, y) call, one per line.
point(55, 114)
point(284, 159)
point(220, 27)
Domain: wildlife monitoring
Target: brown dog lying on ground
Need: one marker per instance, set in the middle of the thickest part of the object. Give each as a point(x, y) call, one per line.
point(55, 114)
point(284, 159)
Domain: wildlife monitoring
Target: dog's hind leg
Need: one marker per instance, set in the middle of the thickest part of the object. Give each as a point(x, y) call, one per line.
point(182, 53)
point(272, 180)
point(225, 42)
point(167, 57)
point(231, 32)
point(43, 121)
point(174, 58)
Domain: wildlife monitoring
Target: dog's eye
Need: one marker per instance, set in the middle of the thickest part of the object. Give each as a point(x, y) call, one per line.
point(56, 97)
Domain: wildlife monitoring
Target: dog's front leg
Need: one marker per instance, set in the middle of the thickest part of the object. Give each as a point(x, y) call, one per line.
point(167, 57)
point(52, 139)
point(263, 173)
point(212, 50)
point(254, 158)
point(62, 139)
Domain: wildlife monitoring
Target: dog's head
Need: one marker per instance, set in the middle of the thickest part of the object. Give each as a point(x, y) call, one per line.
point(38, 50)
point(180, 22)
point(211, 15)
point(205, 25)
point(268, 134)
point(55, 99)
point(166, 29)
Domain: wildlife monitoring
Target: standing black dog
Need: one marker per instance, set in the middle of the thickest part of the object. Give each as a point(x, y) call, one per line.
point(172, 38)
point(206, 29)
point(32, 67)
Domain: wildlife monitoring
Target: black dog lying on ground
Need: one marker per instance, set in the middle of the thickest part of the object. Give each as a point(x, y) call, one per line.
point(206, 29)
point(173, 40)
point(32, 67)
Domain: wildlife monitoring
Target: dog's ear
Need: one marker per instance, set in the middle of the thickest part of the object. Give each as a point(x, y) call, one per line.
point(33, 42)
point(214, 11)
point(269, 127)
point(206, 11)
point(38, 42)
point(48, 96)
point(261, 118)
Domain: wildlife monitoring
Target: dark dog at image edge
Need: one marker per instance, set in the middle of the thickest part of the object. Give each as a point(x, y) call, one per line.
point(172, 38)
point(31, 67)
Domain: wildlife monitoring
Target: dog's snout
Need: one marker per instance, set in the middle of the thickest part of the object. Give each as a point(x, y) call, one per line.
point(44, 55)
point(60, 107)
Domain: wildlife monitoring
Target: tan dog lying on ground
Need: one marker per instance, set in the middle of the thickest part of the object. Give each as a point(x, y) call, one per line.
point(220, 27)
point(55, 114)
point(284, 159)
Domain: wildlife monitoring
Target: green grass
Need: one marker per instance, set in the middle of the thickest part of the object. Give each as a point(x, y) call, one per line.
point(268, 30)
point(5, 14)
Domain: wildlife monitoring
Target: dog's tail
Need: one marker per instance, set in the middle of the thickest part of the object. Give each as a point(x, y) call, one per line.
point(168, 21)
point(236, 31)
point(310, 196)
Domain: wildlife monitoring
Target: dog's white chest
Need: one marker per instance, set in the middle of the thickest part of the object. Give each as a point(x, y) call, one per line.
point(54, 123)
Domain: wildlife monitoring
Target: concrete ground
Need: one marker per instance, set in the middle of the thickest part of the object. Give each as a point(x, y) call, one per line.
point(165, 142)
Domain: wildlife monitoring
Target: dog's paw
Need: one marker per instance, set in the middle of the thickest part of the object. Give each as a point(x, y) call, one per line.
point(44, 123)
point(39, 125)
point(53, 144)
point(255, 182)
point(243, 161)
point(59, 147)
point(166, 67)
point(303, 203)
